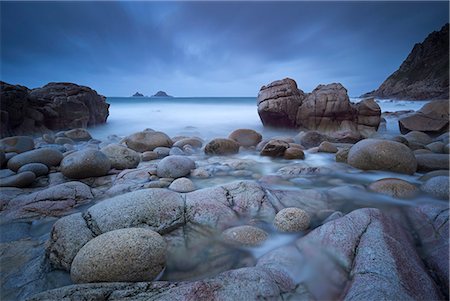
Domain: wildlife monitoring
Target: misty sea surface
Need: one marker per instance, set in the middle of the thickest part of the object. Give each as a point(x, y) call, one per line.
point(206, 117)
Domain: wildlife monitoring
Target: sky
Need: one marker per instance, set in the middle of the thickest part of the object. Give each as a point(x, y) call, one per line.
point(210, 48)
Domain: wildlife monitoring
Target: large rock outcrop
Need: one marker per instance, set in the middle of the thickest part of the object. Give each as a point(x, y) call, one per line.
point(432, 118)
point(424, 73)
point(327, 108)
point(55, 106)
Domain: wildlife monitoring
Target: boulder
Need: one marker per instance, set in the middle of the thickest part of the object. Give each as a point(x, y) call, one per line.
point(38, 169)
point(436, 147)
point(292, 220)
point(418, 138)
point(326, 109)
point(293, 153)
point(397, 188)
point(310, 138)
point(244, 236)
point(48, 156)
point(2, 158)
point(342, 155)
point(175, 167)
point(85, 164)
point(194, 142)
point(147, 141)
point(17, 144)
point(438, 187)
point(79, 134)
point(327, 147)
point(429, 162)
point(220, 146)
point(121, 157)
point(376, 154)
point(432, 118)
point(23, 179)
point(149, 155)
point(274, 148)
point(246, 137)
point(182, 185)
point(124, 255)
point(278, 103)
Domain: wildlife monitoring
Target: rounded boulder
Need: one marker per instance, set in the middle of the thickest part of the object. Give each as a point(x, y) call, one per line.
point(220, 146)
point(175, 167)
point(376, 154)
point(437, 187)
point(85, 164)
point(48, 156)
point(121, 157)
point(394, 187)
point(17, 144)
point(292, 219)
point(246, 137)
point(124, 255)
point(147, 141)
point(20, 180)
point(38, 169)
point(244, 235)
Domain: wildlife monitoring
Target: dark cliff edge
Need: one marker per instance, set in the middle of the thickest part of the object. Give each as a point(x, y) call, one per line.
point(424, 75)
point(55, 106)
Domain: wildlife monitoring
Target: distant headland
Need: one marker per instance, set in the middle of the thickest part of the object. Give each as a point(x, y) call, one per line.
point(161, 94)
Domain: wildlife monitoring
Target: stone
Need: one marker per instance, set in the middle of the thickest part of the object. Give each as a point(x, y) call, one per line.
point(246, 137)
point(397, 188)
point(418, 137)
point(278, 103)
point(147, 141)
point(244, 236)
point(310, 138)
point(274, 148)
point(176, 151)
point(292, 220)
point(38, 169)
point(434, 173)
point(376, 154)
point(20, 180)
point(429, 162)
point(342, 155)
point(438, 187)
point(327, 147)
point(2, 158)
point(149, 155)
point(293, 153)
point(63, 140)
point(421, 75)
point(220, 146)
point(162, 151)
point(175, 167)
point(85, 164)
point(124, 255)
point(78, 134)
point(436, 147)
point(182, 185)
point(17, 144)
point(432, 118)
point(194, 142)
point(47, 156)
point(49, 138)
point(121, 157)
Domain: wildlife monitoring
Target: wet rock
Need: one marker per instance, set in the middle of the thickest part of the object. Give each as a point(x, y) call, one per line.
point(422, 151)
point(2, 158)
point(6, 173)
point(429, 162)
point(394, 187)
point(176, 151)
point(200, 172)
point(375, 154)
point(63, 140)
point(434, 173)
point(438, 187)
point(220, 146)
point(310, 139)
point(446, 148)
point(47, 156)
point(274, 148)
point(121, 157)
point(244, 236)
point(292, 220)
point(53, 201)
point(124, 255)
point(431, 118)
point(342, 155)
point(418, 137)
point(78, 134)
point(182, 185)
point(162, 151)
point(147, 141)
point(327, 147)
point(20, 180)
point(436, 147)
point(38, 169)
point(85, 164)
point(293, 153)
point(17, 144)
point(246, 137)
point(149, 155)
point(175, 167)
point(194, 142)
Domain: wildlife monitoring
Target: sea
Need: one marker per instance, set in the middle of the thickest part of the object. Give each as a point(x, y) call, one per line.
point(205, 117)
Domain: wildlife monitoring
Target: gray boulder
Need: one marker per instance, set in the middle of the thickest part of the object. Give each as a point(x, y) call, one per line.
point(437, 187)
point(429, 162)
point(175, 167)
point(121, 157)
point(20, 180)
point(147, 141)
point(17, 144)
point(38, 169)
point(48, 156)
point(85, 164)
point(221, 146)
point(246, 137)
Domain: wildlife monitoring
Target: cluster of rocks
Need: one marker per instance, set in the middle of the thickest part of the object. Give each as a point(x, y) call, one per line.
point(326, 109)
point(55, 106)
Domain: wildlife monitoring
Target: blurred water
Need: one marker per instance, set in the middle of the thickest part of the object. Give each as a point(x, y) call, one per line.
point(201, 116)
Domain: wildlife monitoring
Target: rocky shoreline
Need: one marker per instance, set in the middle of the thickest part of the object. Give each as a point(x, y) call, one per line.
point(314, 215)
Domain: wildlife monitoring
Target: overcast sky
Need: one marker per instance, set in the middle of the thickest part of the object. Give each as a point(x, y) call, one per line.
point(210, 48)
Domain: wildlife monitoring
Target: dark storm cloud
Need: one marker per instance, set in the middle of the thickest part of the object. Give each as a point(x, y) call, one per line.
point(210, 48)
